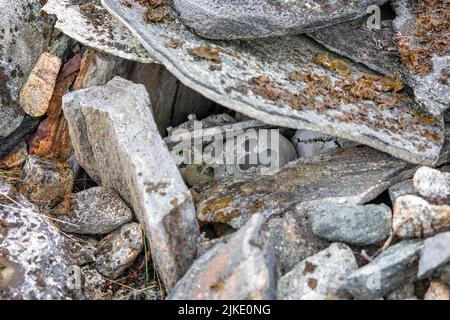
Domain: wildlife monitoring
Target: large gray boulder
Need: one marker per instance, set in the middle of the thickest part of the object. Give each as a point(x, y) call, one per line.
point(34, 255)
point(117, 142)
point(249, 19)
point(24, 35)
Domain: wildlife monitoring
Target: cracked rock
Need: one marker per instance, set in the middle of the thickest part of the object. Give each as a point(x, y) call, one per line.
point(387, 272)
point(319, 277)
point(118, 250)
point(216, 19)
point(243, 268)
point(117, 142)
point(356, 225)
point(435, 254)
point(32, 252)
point(415, 217)
point(93, 211)
point(281, 81)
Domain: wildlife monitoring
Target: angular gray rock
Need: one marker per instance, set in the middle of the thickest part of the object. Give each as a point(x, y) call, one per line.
point(387, 272)
point(319, 277)
point(435, 254)
point(243, 268)
point(432, 184)
point(19, 20)
point(90, 24)
point(293, 240)
point(45, 182)
point(116, 141)
point(423, 44)
point(355, 225)
point(118, 250)
point(94, 211)
point(250, 19)
point(34, 260)
point(9, 143)
point(414, 217)
point(348, 176)
point(402, 189)
point(280, 81)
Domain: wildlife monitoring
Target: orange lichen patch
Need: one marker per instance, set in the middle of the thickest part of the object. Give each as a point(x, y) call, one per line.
point(431, 36)
point(222, 218)
point(218, 205)
point(264, 87)
point(217, 287)
point(257, 205)
point(340, 67)
point(205, 53)
point(174, 43)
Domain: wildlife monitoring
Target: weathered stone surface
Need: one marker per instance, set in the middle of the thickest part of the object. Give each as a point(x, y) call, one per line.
point(83, 249)
point(34, 261)
point(344, 176)
point(308, 143)
point(9, 143)
point(93, 211)
point(432, 184)
point(405, 292)
point(90, 24)
point(37, 92)
point(97, 69)
point(319, 277)
point(18, 20)
point(422, 39)
point(437, 291)
point(402, 189)
point(117, 251)
point(250, 19)
point(116, 141)
point(45, 181)
point(16, 158)
point(293, 240)
point(241, 269)
point(387, 272)
point(277, 81)
point(356, 225)
point(435, 254)
point(415, 217)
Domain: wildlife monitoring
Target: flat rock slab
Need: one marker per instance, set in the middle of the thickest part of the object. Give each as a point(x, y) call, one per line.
point(422, 35)
point(117, 142)
point(387, 272)
point(319, 277)
point(435, 254)
point(243, 268)
point(289, 82)
point(34, 259)
point(250, 19)
point(94, 211)
point(90, 24)
point(18, 20)
point(355, 225)
point(343, 176)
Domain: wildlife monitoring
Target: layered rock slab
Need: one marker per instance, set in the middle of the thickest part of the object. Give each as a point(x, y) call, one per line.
point(90, 24)
point(117, 142)
point(250, 19)
point(280, 81)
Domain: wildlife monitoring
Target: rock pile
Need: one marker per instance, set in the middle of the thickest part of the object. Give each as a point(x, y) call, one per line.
point(214, 149)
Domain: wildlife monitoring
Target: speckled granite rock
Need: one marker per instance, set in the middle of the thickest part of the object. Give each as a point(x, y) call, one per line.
point(243, 268)
point(278, 81)
point(320, 276)
point(18, 20)
point(356, 225)
point(414, 217)
point(118, 250)
point(34, 260)
point(387, 272)
point(435, 254)
point(249, 19)
point(117, 142)
point(432, 184)
point(93, 211)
